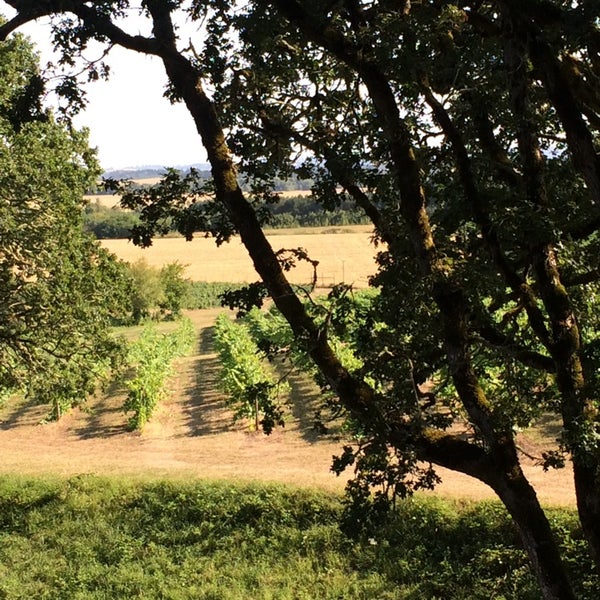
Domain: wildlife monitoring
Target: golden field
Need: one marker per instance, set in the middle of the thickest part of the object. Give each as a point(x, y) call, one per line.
point(344, 254)
point(113, 200)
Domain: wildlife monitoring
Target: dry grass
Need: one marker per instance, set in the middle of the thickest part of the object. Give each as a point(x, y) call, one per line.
point(113, 200)
point(108, 201)
point(348, 256)
point(192, 435)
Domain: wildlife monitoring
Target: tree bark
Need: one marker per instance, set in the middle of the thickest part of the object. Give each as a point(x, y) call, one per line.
point(536, 535)
point(578, 411)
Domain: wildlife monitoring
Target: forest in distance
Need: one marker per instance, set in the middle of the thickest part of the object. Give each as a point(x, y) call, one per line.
point(293, 211)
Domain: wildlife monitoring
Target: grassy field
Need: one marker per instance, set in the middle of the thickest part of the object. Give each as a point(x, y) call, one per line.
point(87, 538)
point(344, 255)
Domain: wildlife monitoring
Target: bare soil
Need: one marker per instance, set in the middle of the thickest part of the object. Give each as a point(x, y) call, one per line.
point(193, 436)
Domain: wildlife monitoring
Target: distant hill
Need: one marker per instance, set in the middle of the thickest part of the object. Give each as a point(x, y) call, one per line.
point(144, 172)
point(150, 171)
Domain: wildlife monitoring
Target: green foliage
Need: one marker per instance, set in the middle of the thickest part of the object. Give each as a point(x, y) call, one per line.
point(159, 293)
point(59, 290)
point(151, 360)
point(183, 202)
point(342, 314)
point(174, 288)
point(147, 291)
point(303, 211)
point(291, 212)
point(207, 294)
point(108, 223)
point(252, 391)
point(94, 538)
point(245, 298)
point(468, 134)
point(21, 86)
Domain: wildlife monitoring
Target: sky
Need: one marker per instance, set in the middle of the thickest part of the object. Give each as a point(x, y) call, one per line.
point(130, 122)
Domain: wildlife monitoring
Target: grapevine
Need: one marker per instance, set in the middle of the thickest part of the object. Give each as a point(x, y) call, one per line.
point(151, 358)
point(252, 390)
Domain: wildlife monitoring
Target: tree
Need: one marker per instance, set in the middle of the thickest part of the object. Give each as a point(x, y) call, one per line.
point(468, 134)
point(175, 288)
point(58, 289)
point(147, 290)
point(157, 292)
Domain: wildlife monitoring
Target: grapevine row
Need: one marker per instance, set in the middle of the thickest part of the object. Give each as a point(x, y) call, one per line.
point(151, 358)
point(251, 388)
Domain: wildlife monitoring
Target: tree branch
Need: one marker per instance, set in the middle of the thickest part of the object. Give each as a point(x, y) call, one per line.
point(481, 216)
point(507, 346)
point(583, 278)
point(97, 21)
point(336, 167)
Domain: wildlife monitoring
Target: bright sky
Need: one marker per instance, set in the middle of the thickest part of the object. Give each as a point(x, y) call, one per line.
point(130, 121)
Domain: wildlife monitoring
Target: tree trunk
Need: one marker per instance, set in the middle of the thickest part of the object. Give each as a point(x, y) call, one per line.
point(587, 488)
point(537, 538)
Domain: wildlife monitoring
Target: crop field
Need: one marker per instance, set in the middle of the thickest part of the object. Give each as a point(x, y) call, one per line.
point(112, 200)
point(344, 254)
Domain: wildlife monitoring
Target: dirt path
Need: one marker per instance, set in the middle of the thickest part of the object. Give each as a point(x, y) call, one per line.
point(192, 435)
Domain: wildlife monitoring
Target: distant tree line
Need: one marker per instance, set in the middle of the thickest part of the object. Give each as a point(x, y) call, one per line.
point(296, 211)
point(304, 211)
point(280, 184)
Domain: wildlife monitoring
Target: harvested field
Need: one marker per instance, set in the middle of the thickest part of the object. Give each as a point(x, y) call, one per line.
point(112, 200)
point(344, 254)
point(108, 201)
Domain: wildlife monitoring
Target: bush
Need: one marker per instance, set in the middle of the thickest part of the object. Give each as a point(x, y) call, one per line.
point(109, 223)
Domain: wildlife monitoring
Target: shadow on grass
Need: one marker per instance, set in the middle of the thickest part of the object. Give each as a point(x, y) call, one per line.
point(204, 407)
point(106, 418)
point(20, 411)
point(305, 403)
point(548, 426)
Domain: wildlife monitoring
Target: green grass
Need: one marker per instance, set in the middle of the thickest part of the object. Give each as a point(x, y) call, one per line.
point(92, 538)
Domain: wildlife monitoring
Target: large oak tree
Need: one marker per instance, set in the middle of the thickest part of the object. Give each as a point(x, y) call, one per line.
point(468, 133)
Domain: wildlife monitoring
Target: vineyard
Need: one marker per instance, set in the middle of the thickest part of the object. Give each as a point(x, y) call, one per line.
point(192, 433)
point(151, 358)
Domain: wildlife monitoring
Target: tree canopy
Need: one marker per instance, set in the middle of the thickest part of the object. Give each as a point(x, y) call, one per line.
point(468, 133)
point(58, 288)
